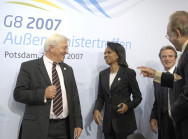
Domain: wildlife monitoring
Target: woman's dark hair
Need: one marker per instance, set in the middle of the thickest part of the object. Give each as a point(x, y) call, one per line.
point(120, 50)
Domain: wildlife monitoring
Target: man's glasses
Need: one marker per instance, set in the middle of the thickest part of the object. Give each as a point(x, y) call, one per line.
point(167, 37)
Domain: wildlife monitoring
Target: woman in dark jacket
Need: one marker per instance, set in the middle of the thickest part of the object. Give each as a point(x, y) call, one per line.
point(116, 84)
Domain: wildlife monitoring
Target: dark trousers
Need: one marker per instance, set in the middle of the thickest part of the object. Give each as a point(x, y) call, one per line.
point(59, 129)
point(113, 135)
point(166, 129)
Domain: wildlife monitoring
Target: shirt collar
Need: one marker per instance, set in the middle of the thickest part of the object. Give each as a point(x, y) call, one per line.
point(47, 60)
point(172, 69)
point(184, 46)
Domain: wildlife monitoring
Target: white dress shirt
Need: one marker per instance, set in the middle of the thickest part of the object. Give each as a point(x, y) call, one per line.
point(172, 69)
point(48, 64)
point(112, 77)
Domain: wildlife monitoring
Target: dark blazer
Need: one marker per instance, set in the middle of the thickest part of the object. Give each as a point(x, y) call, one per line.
point(123, 86)
point(30, 88)
point(179, 109)
point(157, 105)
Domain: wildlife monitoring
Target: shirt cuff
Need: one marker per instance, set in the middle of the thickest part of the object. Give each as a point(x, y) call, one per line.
point(157, 76)
point(45, 100)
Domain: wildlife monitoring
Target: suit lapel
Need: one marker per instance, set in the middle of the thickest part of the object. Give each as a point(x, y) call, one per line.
point(117, 79)
point(67, 80)
point(105, 80)
point(44, 71)
point(182, 57)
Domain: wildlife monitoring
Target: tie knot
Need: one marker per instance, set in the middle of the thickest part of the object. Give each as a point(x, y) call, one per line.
point(54, 64)
point(168, 72)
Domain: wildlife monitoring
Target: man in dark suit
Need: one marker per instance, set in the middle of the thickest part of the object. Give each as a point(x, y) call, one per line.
point(159, 119)
point(177, 33)
point(47, 86)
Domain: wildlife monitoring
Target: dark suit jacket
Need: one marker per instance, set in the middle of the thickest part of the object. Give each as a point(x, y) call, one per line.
point(30, 88)
point(157, 105)
point(179, 110)
point(122, 87)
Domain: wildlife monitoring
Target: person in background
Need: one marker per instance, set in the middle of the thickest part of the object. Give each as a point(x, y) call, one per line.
point(159, 119)
point(116, 85)
point(177, 33)
point(47, 86)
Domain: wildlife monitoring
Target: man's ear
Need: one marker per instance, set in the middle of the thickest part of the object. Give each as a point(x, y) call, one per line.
point(51, 48)
point(177, 33)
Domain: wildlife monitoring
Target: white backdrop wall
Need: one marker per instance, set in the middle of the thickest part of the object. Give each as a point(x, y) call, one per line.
point(139, 25)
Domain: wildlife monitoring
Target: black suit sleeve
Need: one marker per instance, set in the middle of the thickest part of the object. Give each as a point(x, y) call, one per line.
point(167, 80)
point(133, 85)
point(23, 92)
point(179, 109)
point(100, 98)
point(76, 103)
point(155, 104)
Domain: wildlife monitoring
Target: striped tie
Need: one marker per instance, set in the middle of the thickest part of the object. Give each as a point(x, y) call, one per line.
point(57, 100)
